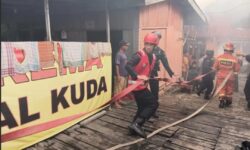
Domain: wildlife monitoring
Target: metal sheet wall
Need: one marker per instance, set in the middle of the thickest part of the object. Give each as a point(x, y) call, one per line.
point(167, 18)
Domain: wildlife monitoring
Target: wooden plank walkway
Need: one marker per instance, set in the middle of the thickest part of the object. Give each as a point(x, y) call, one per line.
point(213, 128)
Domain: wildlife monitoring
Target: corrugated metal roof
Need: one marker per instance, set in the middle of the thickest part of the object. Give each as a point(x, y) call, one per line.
point(192, 3)
point(149, 2)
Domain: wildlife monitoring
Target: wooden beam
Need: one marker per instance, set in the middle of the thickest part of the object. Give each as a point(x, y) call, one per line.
point(107, 21)
point(47, 19)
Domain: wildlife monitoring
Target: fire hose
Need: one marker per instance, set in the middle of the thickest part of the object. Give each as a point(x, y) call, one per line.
point(54, 123)
point(179, 121)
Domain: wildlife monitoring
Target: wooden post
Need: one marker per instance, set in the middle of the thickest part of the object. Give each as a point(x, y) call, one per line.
point(107, 21)
point(47, 20)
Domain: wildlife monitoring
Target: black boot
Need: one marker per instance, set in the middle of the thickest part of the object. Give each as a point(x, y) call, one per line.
point(245, 145)
point(206, 97)
point(228, 103)
point(155, 115)
point(199, 93)
point(248, 105)
point(131, 132)
point(136, 126)
point(222, 103)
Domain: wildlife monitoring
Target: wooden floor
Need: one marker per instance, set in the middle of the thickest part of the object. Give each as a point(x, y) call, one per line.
point(213, 128)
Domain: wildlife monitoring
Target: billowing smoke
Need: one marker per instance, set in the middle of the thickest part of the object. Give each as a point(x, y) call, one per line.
point(229, 20)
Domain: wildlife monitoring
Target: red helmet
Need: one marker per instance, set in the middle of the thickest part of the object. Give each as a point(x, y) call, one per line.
point(229, 47)
point(151, 38)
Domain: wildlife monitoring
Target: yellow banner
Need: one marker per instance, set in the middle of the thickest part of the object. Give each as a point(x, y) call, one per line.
point(40, 104)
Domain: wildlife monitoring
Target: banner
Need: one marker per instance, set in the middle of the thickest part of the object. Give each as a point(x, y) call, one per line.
point(40, 104)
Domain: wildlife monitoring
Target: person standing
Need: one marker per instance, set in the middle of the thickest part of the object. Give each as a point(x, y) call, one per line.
point(200, 61)
point(185, 64)
point(192, 74)
point(224, 64)
point(247, 85)
point(207, 81)
point(160, 57)
point(139, 67)
point(121, 73)
point(238, 55)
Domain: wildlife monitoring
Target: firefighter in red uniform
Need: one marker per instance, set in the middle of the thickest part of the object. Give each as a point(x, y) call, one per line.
point(224, 64)
point(139, 68)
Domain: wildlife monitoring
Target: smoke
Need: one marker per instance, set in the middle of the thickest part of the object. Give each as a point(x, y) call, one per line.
point(229, 20)
point(235, 12)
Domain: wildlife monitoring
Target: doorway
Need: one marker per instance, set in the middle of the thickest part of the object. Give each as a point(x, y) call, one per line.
point(115, 38)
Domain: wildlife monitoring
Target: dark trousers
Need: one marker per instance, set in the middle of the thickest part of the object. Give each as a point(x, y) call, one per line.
point(236, 82)
point(154, 87)
point(146, 104)
point(195, 86)
point(207, 84)
point(247, 89)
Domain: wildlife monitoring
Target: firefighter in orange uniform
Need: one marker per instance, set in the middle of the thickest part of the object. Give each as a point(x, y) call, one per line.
point(224, 64)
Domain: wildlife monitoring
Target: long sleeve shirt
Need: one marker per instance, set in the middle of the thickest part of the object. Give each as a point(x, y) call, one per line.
point(207, 66)
point(248, 68)
point(161, 56)
point(135, 59)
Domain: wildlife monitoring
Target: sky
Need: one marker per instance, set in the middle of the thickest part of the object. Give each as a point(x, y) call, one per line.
point(235, 13)
point(224, 6)
point(235, 10)
point(204, 3)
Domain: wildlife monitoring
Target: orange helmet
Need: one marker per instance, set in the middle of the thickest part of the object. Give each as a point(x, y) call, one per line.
point(229, 47)
point(151, 38)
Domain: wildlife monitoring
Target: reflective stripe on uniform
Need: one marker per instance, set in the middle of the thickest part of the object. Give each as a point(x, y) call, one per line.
point(224, 59)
